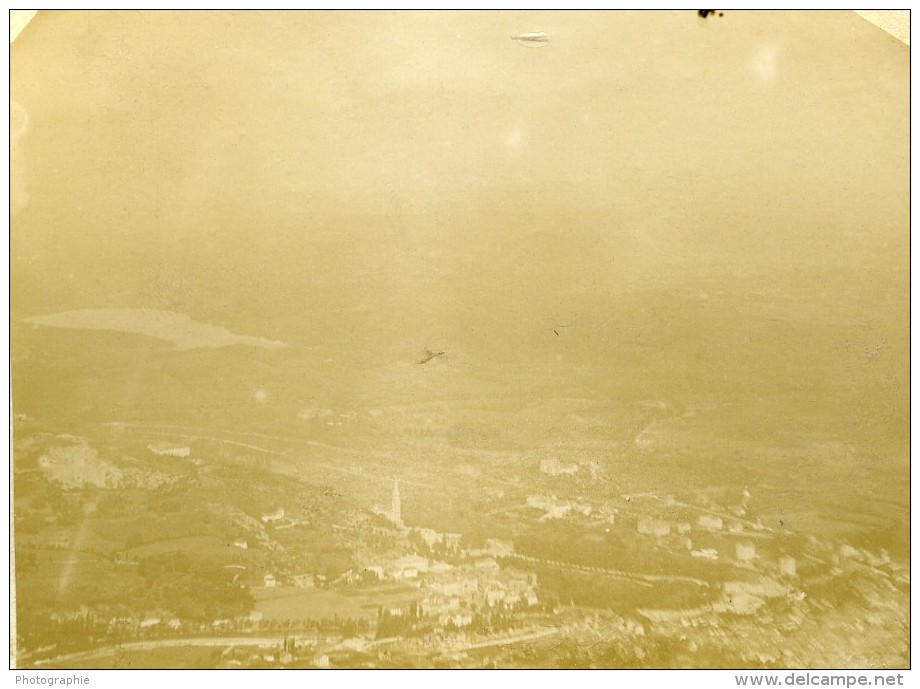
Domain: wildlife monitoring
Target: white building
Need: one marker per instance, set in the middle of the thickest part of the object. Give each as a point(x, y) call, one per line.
point(169, 450)
point(499, 548)
point(275, 516)
point(745, 551)
point(706, 553)
point(416, 562)
point(430, 536)
point(787, 566)
point(303, 581)
point(654, 527)
point(458, 619)
point(554, 467)
point(487, 565)
point(709, 522)
point(376, 570)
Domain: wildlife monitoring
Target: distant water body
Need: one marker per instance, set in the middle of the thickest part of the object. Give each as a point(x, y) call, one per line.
point(177, 328)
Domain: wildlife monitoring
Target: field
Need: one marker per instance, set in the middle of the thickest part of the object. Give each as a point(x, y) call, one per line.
point(287, 603)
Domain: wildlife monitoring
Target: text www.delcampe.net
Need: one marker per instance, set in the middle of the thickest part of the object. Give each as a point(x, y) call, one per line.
point(808, 679)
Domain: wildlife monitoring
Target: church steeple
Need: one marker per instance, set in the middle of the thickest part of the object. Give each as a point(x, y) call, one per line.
point(396, 507)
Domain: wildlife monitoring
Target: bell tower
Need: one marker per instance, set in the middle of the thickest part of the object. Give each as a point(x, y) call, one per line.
point(396, 506)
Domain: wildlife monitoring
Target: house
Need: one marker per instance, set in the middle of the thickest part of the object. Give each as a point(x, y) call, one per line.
point(487, 565)
point(494, 597)
point(654, 527)
point(848, 551)
point(416, 562)
point(553, 508)
point(554, 467)
point(458, 619)
point(787, 566)
point(430, 536)
point(376, 570)
point(499, 548)
point(241, 543)
point(706, 553)
point(406, 567)
point(745, 551)
point(349, 577)
point(303, 581)
point(432, 606)
point(269, 581)
point(459, 585)
point(709, 522)
point(275, 516)
point(452, 541)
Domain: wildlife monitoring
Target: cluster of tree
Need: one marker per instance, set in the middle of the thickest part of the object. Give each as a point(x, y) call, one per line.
point(405, 623)
point(66, 634)
point(41, 503)
point(412, 623)
point(192, 588)
point(347, 627)
point(492, 621)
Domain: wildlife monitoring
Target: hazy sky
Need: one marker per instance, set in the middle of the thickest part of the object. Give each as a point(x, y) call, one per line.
point(217, 143)
point(282, 108)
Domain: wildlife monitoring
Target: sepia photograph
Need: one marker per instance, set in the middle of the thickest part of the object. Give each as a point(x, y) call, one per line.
point(493, 339)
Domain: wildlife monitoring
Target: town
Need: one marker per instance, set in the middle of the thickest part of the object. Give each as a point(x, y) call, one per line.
point(697, 570)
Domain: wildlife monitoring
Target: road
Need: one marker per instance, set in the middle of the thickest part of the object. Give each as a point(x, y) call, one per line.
point(184, 642)
point(641, 579)
point(506, 640)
